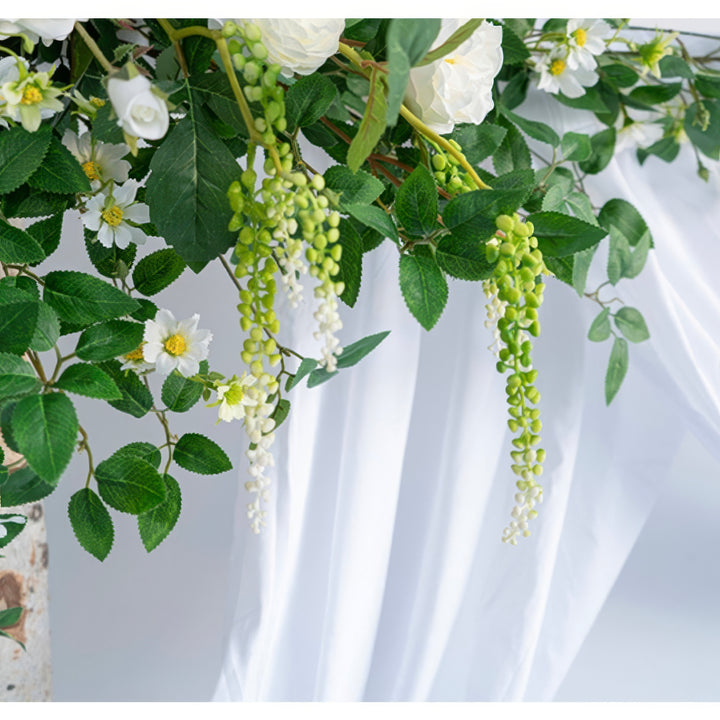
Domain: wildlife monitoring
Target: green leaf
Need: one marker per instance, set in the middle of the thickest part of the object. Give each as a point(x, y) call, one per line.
point(191, 172)
point(354, 188)
point(155, 525)
point(199, 454)
point(423, 286)
point(47, 330)
point(372, 125)
point(375, 218)
point(307, 365)
point(513, 153)
point(617, 369)
point(620, 75)
point(21, 153)
point(308, 100)
point(576, 147)
point(515, 92)
point(618, 255)
point(513, 48)
point(47, 233)
point(10, 616)
point(591, 100)
point(673, 66)
point(463, 258)
point(603, 148)
point(180, 393)
point(143, 450)
point(654, 94)
point(129, 484)
point(60, 172)
point(24, 486)
point(17, 246)
point(45, 428)
point(109, 340)
point(581, 266)
point(6, 411)
point(136, 398)
point(600, 328)
point(281, 412)
point(625, 217)
point(631, 324)
point(83, 299)
point(416, 203)
point(478, 141)
point(11, 525)
point(350, 262)
point(581, 207)
point(537, 130)
point(157, 270)
point(105, 125)
point(26, 202)
point(146, 311)
point(89, 381)
point(17, 377)
point(408, 40)
point(112, 262)
point(666, 149)
point(18, 319)
point(559, 235)
point(91, 523)
point(707, 140)
point(463, 33)
point(708, 85)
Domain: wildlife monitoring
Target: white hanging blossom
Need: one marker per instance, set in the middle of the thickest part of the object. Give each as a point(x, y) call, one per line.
point(525, 501)
point(329, 323)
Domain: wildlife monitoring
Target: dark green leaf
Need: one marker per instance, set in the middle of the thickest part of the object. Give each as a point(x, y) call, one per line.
point(537, 130)
point(631, 324)
point(136, 398)
point(576, 147)
point(416, 203)
point(352, 354)
point(201, 455)
point(109, 340)
point(105, 125)
point(559, 235)
point(624, 216)
point(513, 152)
point(515, 92)
point(17, 246)
point(618, 256)
point(655, 94)
point(673, 66)
point(26, 202)
point(24, 486)
point(353, 188)
point(281, 412)
point(600, 328)
point(423, 286)
point(180, 393)
point(581, 266)
point(17, 377)
point(308, 100)
point(21, 153)
point(306, 366)
point(375, 218)
point(463, 258)
point(18, 319)
point(6, 411)
point(591, 100)
point(129, 484)
point(146, 311)
point(350, 262)
point(10, 616)
point(47, 330)
point(372, 125)
point(11, 525)
point(155, 525)
point(45, 428)
point(143, 450)
point(158, 270)
point(60, 172)
point(603, 147)
point(666, 149)
point(89, 381)
point(620, 75)
point(706, 140)
point(514, 50)
point(617, 369)
point(708, 85)
point(112, 262)
point(478, 141)
point(47, 233)
point(91, 523)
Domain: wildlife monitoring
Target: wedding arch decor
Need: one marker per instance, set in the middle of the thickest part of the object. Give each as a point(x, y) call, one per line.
point(193, 131)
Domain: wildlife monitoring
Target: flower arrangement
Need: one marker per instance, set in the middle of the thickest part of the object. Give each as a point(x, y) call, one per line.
point(193, 131)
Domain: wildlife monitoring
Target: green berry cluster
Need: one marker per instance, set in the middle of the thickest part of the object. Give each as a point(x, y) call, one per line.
point(448, 172)
point(519, 292)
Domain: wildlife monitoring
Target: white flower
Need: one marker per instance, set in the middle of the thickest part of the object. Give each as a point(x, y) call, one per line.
point(636, 127)
point(557, 76)
point(299, 46)
point(586, 39)
point(174, 345)
point(34, 29)
point(114, 215)
point(100, 161)
point(140, 111)
point(234, 399)
point(27, 97)
point(329, 323)
point(458, 87)
point(135, 360)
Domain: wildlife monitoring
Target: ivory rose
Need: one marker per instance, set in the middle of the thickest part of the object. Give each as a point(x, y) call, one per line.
point(140, 111)
point(34, 29)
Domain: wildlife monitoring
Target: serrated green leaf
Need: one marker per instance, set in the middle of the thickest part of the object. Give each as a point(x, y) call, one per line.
point(600, 328)
point(375, 218)
point(631, 324)
point(112, 262)
point(423, 286)
point(91, 523)
point(89, 381)
point(60, 172)
point(354, 188)
point(83, 299)
point(18, 318)
point(478, 141)
point(513, 153)
point(45, 428)
point(158, 270)
point(155, 525)
point(136, 398)
point(47, 233)
point(21, 153)
point(514, 50)
point(463, 258)
point(17, 246)
point(581, 207)
point(307, 365)
point(129, 484)
point(24, 486)
point(350, 272)
point(143, 450)
point(105, 125)
point(26, 202)
point(109, 340)
point(308, 100)
point(199, 454)
point(537, 130)
point(11, 525)
point(576, 146)
point(416, 202)
point(47, 330)
point(146, 311)
point(617, 369)
point(560, 235)
point(373, 123)
point(603, 148)
point(17, 377)
point(180, 393)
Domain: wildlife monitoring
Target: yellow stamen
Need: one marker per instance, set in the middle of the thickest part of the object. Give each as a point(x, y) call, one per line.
point(136, 355)
point(97, 102)
point(113, 216)
point(449, 61)
point(175, 345)
point(31, 96)
point(580, 37)
point(557, 66)
point(92, 170)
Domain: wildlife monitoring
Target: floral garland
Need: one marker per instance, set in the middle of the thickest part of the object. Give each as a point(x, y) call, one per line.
point(161, 127)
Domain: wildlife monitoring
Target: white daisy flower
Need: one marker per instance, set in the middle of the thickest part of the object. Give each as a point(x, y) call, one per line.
point(586, 39)
point(100, 161)
point(234, 399)
point(135, 360)
point(557, 76)
point(115, 216)
point(175, 345)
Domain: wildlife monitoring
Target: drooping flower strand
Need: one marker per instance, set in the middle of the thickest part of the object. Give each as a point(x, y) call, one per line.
point(516, 294)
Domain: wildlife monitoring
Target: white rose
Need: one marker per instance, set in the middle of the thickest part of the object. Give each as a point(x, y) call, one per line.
point(458, 87)
point(47, 30)
point(300, 46)
point(140, 112)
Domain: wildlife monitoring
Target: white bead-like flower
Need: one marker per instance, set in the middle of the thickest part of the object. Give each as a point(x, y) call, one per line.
point(557, 76)
point(141, 112)
point(175, 345)
point(329, 323)
point(100, 161)
point(234, 398)
point(458, 87)
point(299, 46)
point(46, 30)
point(114, 215)
point(586, 39)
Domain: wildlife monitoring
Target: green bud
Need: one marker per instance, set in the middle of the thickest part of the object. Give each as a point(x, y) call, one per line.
point(507, 249)
point(439, 162)
point(491, 253)
point(252, 32)
point(259, 51)
point(505, 223)
point(229, 29)
point(252, 72)
point(239, 61)
point(534, 328)
point(541, 455)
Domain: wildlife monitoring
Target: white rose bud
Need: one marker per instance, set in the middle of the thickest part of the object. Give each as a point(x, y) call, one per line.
point(46, 30)
point(140, 111)
point(458, 87)
point(299, 46)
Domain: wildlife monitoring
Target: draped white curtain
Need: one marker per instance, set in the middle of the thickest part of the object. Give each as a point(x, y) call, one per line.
point(381, 575)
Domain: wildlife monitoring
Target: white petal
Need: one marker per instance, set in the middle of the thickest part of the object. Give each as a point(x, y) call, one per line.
point(137, 212)
point(122, 235)
point(106, 235)
point(165, 363)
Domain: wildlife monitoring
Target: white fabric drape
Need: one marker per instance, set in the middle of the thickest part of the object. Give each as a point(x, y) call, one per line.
point(381, 575)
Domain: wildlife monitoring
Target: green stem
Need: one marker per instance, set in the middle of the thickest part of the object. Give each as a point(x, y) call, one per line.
point(94, 49)
point(85, 445)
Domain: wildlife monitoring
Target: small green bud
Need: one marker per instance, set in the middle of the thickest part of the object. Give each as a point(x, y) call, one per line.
point(439, 162)
point(505, 223)
point(259, 51)
point(252, 32)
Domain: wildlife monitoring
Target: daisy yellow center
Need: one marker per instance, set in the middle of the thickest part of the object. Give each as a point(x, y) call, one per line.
point(175, 345)
point(113, 216)
point(580, 37)
point(97, 102)
point(557, 66)
point(31, 96)
point(92, 170)
point(136, 355)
